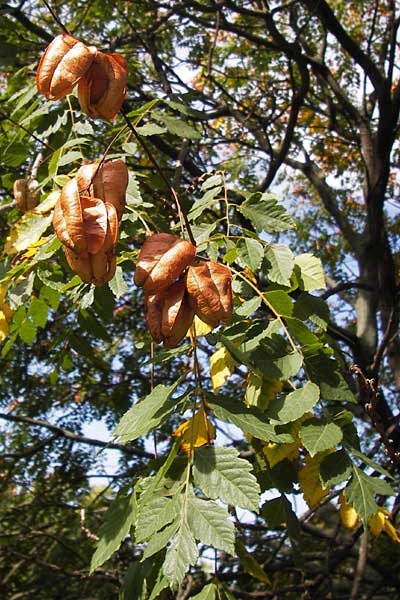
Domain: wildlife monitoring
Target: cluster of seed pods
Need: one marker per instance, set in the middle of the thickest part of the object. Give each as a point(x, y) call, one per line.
point(178, 285)
point(86, 219)
point(101, 77)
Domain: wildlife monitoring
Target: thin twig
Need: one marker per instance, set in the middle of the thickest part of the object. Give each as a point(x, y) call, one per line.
point(57, 20)
point(172, 191)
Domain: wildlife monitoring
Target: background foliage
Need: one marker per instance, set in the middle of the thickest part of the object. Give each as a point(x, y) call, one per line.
point(277, 124)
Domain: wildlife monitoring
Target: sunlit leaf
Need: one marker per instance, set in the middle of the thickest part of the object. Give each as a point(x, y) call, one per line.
point(117, 522)
point(220, 473)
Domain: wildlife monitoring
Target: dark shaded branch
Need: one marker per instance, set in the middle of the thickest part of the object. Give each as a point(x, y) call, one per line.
point(324, 13)
point(23, 19)
point(76, 437)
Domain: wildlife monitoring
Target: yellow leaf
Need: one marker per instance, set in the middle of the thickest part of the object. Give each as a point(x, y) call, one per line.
point(260, 391)
point(250, 275)
point(309, 479)
point(48, 204)
point(3, 326)
point(31, 251)
point(275, 453)
point(196, 431)
point(381, 522)
point(200, 327)
point(221, 367)
point(348, 514)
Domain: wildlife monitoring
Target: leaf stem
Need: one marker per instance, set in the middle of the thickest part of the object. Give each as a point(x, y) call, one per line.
point(56, 19)
point(172, 191)
point(269, 306)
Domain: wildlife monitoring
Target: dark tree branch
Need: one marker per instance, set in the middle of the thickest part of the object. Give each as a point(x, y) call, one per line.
point(70, 435)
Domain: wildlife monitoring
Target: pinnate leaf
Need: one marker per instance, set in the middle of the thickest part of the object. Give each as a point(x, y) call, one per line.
point(249, 563)
point(335, 468)
point(117, 522)
point(207, 593)
point(220, 473)
point(248, 419)
point(146, 414)
point(360, 493)
point(317, 437)
point(281, 261)
point(309, 272)
point(221, 367)
point(251, 252)
point(210, 524)
point(266, 214)
point(293, 406)
point(309, 480)
point(181, 554)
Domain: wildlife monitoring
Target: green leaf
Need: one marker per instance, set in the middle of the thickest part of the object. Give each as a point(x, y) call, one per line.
point(150, 129)
point(153, 515)
point(146, 414)
point(273, 358)
point(159, 540)
point(334, 469)
point(304, 336)
point(248, 307)
point(28, 230)
point(209, 199)
point(27, 331)
point(118, 520)
point(309, 272)
point(249, 420)
point(371, 463)
point(278, 512)
point(180, 556)
point(360, 493)
point(266, 214)
point(280, 303)
point(251, 252)
point(179, 128)
point(69, 158)
point(281, 261)
point(313, 308)
point(52, 297)
point(161, 584)
point(220, 473)
point(293, 406)
point(118, 285)
point(213, 181)
point(207, 593)
point(38, 311)
point(202, 232)
point(317, 437)
point(15, 154)
point(87, 298)
point(249, 563)
point(325, 372)
point(210, 524)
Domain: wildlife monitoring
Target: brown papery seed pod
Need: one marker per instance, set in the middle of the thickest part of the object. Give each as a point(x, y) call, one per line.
point(108, 182)
point(98, 267)
point(102, 89)
point(85, 220)
point(80, 264)
point(26, 194)
point(162, 259)
point(169, 314)
point(63, 63)
point(153, 312)
point(60, 226)
point(177, 314)
point(209, 286)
